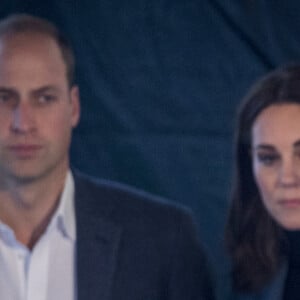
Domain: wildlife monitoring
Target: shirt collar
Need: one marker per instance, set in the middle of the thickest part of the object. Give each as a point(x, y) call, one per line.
point(64, 217)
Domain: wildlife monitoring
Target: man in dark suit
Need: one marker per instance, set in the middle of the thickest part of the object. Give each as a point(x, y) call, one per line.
point(64, 235)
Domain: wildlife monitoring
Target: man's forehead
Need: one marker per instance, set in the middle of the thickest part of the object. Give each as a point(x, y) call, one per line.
point(29, 50)
point(25, 39)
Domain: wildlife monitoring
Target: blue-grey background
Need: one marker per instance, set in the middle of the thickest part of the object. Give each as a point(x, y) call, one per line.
point(160, 82)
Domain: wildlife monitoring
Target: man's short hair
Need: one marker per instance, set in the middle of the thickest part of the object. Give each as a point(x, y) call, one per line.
point(24, 23)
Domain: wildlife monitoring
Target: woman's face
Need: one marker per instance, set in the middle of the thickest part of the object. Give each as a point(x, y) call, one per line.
point(276, 162)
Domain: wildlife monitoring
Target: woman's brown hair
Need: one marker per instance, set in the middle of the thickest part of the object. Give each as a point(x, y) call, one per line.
point(255, 241)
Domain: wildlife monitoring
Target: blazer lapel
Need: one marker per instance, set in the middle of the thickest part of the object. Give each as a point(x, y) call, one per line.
point(97, 247)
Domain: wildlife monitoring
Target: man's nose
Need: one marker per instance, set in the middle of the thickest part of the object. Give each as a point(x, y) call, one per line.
point(22, 118)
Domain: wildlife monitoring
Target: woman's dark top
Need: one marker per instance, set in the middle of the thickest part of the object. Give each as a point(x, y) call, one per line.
point(292, 283)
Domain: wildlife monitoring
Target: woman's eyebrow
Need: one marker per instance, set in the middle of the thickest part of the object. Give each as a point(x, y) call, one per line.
point(265, 147)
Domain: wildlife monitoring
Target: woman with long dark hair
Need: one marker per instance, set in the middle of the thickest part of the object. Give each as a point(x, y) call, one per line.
point(263, 228)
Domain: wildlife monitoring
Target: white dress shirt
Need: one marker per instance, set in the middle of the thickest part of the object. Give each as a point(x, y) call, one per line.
point(48, 271)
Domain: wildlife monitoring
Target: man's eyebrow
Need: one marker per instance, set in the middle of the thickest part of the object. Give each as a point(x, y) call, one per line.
point(46, 88)
point(7, 90)
point(297, 144)
point(38, 90)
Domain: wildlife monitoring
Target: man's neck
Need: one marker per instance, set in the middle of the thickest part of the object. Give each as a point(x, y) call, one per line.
point(28, 208)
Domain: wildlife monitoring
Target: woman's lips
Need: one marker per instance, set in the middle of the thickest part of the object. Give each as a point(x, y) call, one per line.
point(290, 202)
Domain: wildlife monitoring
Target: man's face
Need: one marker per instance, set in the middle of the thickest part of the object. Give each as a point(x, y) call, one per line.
point(37, 108)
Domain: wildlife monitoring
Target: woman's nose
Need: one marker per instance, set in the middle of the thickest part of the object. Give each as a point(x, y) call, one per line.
point(289, 173)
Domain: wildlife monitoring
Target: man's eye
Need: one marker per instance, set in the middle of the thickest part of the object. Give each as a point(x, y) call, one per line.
point(267, 159)
point(8, 100)
point(297, 154)
point(4, 97)
point(47, 98)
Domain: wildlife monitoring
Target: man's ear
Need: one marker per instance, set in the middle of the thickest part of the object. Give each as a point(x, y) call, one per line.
point(75, 105)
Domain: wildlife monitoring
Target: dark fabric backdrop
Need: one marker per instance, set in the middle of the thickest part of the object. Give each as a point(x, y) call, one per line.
point(160, 82)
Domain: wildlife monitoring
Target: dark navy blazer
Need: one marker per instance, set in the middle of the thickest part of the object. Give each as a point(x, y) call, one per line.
point(131, 246)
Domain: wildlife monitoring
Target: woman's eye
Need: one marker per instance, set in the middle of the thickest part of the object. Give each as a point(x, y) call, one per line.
point(267, 159)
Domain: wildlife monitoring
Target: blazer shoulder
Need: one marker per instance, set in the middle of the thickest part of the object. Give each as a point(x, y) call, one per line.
point(124, 201)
